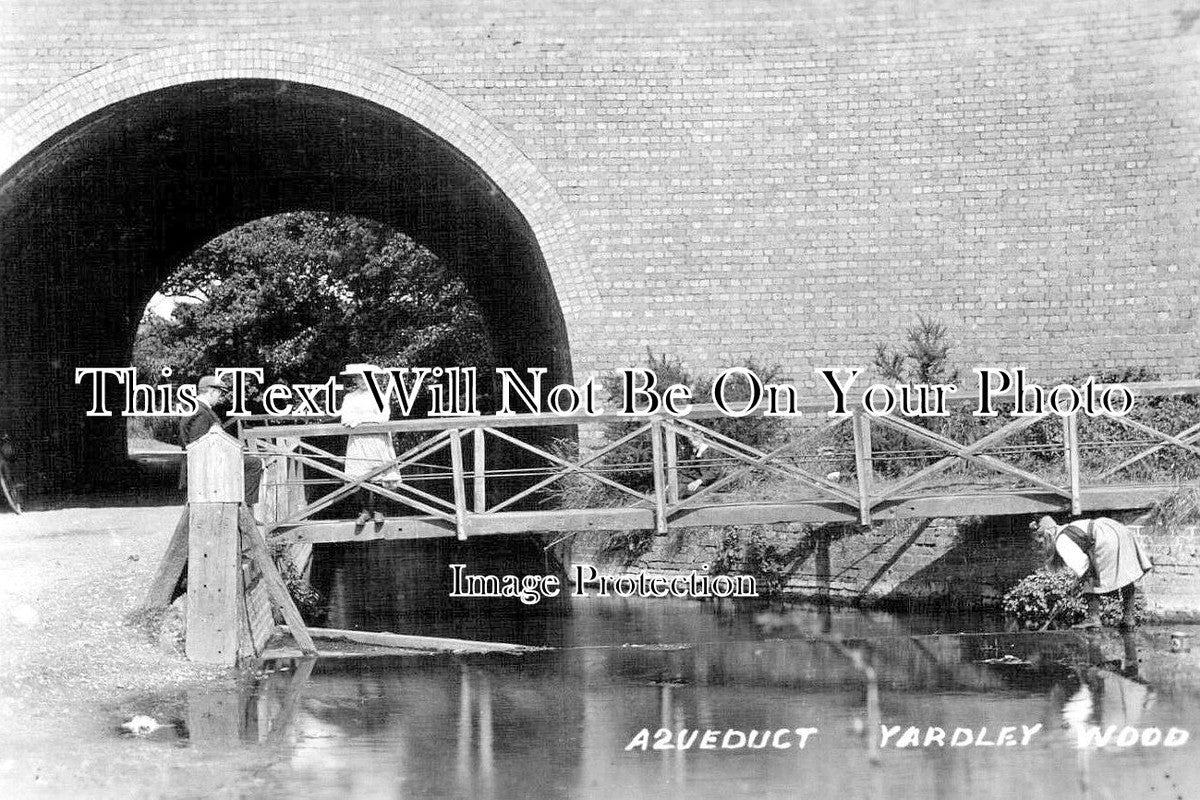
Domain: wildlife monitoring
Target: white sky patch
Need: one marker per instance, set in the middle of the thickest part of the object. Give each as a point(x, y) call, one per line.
point(164, 305)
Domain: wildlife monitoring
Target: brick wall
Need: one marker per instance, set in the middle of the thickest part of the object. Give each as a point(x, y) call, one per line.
point(757, 179)
point(1173, 587)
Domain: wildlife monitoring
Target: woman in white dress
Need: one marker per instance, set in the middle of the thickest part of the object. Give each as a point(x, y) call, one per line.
point(367, 451)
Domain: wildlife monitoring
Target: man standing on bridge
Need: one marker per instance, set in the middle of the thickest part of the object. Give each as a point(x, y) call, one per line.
point(1106, 557)
point(210, 393)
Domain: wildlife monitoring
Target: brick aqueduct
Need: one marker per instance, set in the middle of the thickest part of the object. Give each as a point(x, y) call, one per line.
point(711, 179)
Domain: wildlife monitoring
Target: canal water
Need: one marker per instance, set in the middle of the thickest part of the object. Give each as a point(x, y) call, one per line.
point(680, 699)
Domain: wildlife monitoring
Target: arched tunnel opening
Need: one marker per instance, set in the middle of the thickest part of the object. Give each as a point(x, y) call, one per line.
point(97, 217)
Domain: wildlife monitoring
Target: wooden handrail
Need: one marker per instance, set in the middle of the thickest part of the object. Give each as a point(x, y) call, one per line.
point(810, 408)
point(861, 496)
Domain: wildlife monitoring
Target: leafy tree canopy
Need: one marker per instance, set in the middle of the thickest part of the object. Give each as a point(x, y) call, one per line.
point(301, 294)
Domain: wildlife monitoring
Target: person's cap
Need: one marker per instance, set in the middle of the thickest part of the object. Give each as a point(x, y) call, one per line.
point(209, 382)
point(360, 369)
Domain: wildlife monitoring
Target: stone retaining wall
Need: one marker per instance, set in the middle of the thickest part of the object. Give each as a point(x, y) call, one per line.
point(948, 562)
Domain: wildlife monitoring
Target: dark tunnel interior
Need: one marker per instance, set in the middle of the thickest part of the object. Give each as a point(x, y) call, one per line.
point(96, 218)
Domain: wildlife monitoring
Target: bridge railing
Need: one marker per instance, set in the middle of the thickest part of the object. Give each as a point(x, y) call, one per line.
point(459, 475)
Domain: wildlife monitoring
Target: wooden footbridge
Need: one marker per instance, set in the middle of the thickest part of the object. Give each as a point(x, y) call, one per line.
point(466, 477)
point(460, 479)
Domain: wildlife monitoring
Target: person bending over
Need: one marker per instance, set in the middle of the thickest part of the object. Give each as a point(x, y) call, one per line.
point(1104, 554)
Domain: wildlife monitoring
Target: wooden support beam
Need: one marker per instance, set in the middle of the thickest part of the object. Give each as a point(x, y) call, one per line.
point(479, 480)
point(215, 492)
point(460, 489)
point(214, 583)
point(659, 466)
point(166, 584)
point(672, 465)
point(281, 598)
point(409, 642)
point(1071, 457)
point(864, 467)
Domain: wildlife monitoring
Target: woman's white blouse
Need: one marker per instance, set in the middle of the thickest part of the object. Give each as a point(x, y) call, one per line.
point(359, 407)
point(1071, 554)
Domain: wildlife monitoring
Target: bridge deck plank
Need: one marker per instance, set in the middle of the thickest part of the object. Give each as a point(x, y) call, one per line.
point(993, 503)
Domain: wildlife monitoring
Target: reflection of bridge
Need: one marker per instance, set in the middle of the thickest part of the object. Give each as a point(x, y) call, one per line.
point(459, 477)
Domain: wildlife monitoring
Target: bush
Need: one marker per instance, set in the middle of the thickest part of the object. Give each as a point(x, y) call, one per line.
point(1032, 600)
point(1105, 443)
point(309, 601)
point(749, 552)
point(630, 545)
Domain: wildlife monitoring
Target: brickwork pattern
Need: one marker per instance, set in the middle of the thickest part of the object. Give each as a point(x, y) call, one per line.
point(1173, 587)
point(758, 178)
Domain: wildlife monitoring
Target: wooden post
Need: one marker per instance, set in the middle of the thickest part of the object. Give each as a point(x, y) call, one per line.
point(281, 494)
point(1071, 456)
point(656, 448)
point(216, 488)
point(460, 489)
point(480, 472)
point(672, 466)
point(863, 464)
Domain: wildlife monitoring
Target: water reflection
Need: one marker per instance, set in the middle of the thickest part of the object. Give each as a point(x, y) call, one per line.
point(566, 722)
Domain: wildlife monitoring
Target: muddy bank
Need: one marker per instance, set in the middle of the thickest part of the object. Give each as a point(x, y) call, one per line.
point(69, 578)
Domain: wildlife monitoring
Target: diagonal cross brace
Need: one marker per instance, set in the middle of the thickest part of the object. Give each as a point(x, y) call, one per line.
point(981, 444)
point(568, 465)
point(757, 458)
point(353, 484)
point(967, 452)
point(751, 465)
point(1185, 437)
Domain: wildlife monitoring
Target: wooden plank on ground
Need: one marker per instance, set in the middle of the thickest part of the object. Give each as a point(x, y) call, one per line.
point(213, 583)
point(276, 588)
point(165, 586)
point(278, 653)
point(408, 642)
